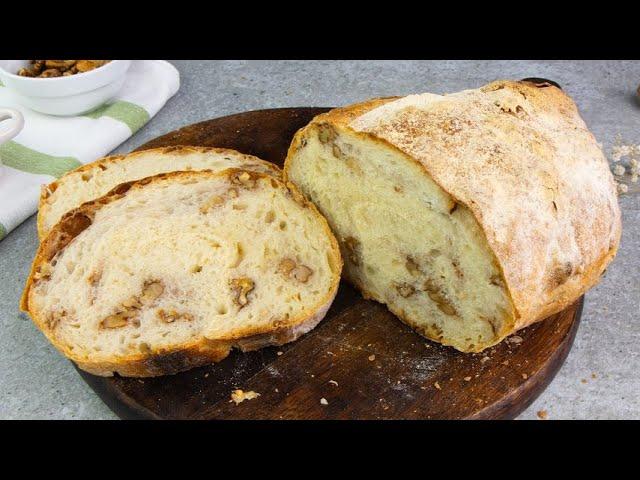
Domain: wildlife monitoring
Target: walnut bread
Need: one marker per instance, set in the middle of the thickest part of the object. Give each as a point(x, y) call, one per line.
point(172, 271)
point(96, 179)
point(470, 215)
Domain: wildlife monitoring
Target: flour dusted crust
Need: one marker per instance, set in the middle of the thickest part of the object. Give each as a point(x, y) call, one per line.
point(212, 343)
point(96, 179)
point(519, 157)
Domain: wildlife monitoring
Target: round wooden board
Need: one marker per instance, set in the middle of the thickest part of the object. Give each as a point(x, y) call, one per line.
point(361, 358)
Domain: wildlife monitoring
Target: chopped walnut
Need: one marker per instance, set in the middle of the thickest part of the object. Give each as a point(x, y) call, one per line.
point(94, 278)
point(496, 279)
point(286, 266)
point(57, 68)
point(132, 303)
point(214, 201)
point(405, 290)
point(50, 72)
point(117, 320)
point(130, 308)
point(151, 291)
point(54, 318)
point(326, 133)
point(245, 179)
point(412, 266)
point(241, 288)
point(172, 315)
point(438, 298)
point(44, 272)
point(289, 268)
point(352, 245)
point(302, 273)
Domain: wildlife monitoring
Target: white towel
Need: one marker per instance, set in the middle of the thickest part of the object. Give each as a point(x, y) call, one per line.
point(49, 146)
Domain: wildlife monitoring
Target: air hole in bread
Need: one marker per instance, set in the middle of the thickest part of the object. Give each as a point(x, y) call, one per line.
point(238, 255)
point(283, 225)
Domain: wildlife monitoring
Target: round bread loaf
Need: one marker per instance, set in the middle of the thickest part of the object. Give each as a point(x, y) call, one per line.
point(469, 215)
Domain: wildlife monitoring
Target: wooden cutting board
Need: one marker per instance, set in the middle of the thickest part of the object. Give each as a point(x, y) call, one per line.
point(361, 359)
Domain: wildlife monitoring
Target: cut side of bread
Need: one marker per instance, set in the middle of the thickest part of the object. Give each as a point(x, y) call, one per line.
point(96, 179)
point(172, 271)
point(469, 215)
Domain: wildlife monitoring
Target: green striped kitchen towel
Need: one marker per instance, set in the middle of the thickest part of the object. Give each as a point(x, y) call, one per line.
point(49, 146)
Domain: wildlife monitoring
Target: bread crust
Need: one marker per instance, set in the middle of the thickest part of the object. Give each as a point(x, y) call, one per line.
point(545, 198)
point(47, 190)
point(185, 356)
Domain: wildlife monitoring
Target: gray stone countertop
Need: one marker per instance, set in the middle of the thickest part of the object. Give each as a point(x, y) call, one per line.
point(601, 377)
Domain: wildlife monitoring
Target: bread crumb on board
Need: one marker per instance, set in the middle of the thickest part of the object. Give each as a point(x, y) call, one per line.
point(239, 396)
point(542, 414)
point(323, 401)
point(333, 382)
point(372, 358)
point(437, 385)
point(515, 339)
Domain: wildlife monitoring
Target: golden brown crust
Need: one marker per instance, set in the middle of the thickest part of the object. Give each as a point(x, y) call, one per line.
point(47, 190)
point(522, 160)
point(183, 357)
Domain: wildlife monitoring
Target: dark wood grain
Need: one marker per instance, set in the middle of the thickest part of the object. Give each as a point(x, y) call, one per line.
point(361, 359)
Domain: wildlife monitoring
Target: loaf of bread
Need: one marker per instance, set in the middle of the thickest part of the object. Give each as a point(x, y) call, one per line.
point(96, 179)
point(470, 215)
point(172, 271)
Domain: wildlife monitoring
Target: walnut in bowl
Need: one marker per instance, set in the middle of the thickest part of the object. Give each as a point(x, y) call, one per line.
point(73, 94)
point(59, 68)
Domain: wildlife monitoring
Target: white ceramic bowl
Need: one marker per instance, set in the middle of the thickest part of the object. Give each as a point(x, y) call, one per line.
point(72, 95)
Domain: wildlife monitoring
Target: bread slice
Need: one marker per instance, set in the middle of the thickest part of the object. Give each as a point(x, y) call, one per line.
point(470, 215)
point(172, 271)
point(96, 179)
